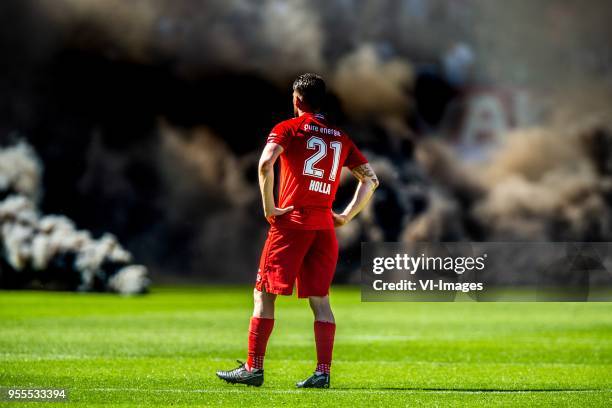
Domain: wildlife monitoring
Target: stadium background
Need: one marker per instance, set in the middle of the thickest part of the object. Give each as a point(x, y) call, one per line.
point(486, 120)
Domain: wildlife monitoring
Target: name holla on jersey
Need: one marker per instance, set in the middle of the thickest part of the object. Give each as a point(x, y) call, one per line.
point(319, 186)
point(314, 152)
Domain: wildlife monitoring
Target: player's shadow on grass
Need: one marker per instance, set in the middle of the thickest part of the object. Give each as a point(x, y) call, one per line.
point(467, 390)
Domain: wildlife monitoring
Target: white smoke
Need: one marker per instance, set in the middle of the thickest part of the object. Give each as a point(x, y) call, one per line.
point(130, 279)
point(20, 171)
point(30, 242)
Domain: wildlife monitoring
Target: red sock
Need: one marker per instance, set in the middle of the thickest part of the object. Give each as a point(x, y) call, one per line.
point(324, 338)
point(259, 333)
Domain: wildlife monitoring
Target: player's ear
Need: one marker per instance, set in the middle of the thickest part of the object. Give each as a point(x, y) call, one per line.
point(299, 103)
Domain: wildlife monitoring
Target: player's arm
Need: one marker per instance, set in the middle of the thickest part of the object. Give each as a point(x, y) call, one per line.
point(368, 182)
point(266, 180)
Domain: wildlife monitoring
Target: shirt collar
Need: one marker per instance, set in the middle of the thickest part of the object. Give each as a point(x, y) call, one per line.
point(317, 115)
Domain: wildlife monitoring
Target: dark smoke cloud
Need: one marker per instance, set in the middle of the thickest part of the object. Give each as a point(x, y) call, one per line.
point(276, 39)
point(151, 114)
point(548, 44)
point(207, 160)
point(372, 88)
point(548, 183)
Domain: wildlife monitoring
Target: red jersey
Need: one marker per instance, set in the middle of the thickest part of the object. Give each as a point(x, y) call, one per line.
point(313, 156)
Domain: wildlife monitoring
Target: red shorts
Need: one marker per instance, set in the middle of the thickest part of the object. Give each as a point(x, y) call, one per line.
point(308, 256)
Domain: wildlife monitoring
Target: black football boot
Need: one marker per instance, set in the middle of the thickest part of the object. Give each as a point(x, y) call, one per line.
point(240, 375)
point(315, 381)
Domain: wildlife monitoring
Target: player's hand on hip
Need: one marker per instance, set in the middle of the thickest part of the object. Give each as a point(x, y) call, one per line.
point(340, 219)
point(275, 211)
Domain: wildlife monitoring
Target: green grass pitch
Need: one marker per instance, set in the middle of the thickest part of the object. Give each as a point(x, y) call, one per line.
point(163, 349)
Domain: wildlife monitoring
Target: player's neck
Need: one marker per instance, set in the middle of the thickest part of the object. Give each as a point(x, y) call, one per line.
point(302, 113)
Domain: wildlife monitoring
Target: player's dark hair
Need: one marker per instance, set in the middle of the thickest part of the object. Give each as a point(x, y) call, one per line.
point(312, 89)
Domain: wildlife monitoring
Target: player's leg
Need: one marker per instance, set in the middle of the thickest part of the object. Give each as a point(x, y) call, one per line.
point(325, 330)
point(280, 262)
point(260, 328)
point(263, 304)
point(281, 259)
point(314, 281)
point(321, 309)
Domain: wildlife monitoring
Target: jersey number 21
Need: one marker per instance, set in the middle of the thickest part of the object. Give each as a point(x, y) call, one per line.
point(318, 144)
